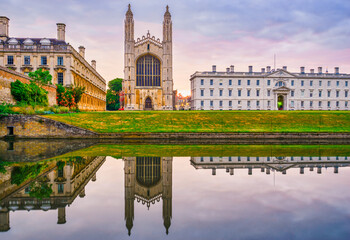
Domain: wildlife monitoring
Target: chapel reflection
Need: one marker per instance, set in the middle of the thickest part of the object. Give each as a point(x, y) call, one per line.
point(148, 180)
point(67, 179)
point(268, 164)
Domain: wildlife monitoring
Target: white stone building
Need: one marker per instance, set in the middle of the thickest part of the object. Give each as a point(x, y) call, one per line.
point(148, 71)
point(270, 90)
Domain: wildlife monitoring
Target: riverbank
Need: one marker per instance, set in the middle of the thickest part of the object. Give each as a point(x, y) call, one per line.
point(209, 121)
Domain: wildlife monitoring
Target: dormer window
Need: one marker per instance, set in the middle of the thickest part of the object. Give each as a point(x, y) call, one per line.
point(13, 41)
point(45, 42)
point(28, 42)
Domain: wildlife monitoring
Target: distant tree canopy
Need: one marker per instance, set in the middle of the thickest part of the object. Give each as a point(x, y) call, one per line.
point(112, 98)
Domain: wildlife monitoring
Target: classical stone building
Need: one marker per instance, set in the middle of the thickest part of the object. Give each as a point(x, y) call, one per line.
point(148, 71)
point(66, 65)
point(270, 90)
point(67, 182)
point(148, 179)
point(271, 163)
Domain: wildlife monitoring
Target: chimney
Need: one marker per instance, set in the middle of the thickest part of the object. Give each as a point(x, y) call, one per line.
point(214, 68)
point(319, 70)
point(4, 220)
point(250, 69)
point(82, 51)
point(336, 70)
point(312, 71)
point(232, 68)
point(268, 69)
point(285, 68)
point(4, 27)
point(93, 64)
point(61, 31)
point(302, 70)
point(61, 215)
point(227, 70)
point(263, 70)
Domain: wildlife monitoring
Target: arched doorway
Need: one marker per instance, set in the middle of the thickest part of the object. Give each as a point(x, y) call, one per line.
point(280, 102)
point(148, 104)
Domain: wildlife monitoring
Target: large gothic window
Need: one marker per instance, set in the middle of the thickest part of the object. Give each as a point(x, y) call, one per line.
point(147, 71)
point(148, 170)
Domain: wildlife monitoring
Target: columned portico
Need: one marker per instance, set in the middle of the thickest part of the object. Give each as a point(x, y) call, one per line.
point(281, 94)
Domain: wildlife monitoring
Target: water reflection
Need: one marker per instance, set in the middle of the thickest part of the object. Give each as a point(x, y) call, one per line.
point(54, 184)
point(279, 164)
point(148, 180)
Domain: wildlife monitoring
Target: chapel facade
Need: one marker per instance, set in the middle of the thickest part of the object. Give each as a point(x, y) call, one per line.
point(148, 71)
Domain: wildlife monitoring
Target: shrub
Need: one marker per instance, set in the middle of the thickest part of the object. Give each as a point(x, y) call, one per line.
point(29, 94)
point(69, 96)
point(40, 190)
point(6, 109)
point(21, 174)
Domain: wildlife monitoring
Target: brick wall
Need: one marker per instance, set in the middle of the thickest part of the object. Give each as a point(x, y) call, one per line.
point(7, 76)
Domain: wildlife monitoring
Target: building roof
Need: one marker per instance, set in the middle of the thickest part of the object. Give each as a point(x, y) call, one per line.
point(36, 41)
point(272, 74)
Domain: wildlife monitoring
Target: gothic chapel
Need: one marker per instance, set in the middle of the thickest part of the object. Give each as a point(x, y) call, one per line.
point(148, 71)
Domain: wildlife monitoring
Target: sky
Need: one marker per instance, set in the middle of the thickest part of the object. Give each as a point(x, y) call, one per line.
point(310, 33)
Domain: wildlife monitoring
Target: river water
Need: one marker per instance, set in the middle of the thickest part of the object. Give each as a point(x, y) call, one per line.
point(189, 192)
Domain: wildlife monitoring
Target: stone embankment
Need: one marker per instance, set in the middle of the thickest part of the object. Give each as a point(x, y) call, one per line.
point(31, 126)
point(27, 126)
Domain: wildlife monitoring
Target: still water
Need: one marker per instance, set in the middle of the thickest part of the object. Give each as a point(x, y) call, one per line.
point(224, 195)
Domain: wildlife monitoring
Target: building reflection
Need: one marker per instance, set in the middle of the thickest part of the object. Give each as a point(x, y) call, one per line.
point(66, 177)
point(148, 180)
point(268, 164)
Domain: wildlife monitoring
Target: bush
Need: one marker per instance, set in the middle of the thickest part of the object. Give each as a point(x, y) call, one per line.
point(69, 96)
point(5, 109)
point(22, 174)
point(29, 94)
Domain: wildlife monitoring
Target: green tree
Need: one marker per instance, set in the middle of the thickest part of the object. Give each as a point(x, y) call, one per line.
point(40, 78)
point(112, 97)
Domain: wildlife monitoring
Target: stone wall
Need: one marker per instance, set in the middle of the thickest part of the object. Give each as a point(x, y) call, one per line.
point(39, 149)
point(30, 126)
point(7, 76)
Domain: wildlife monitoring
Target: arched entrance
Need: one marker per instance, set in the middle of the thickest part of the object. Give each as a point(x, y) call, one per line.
point(148, 104)
point(280, 102)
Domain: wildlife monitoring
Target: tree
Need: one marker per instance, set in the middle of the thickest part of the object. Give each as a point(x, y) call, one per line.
point(40, 78)
point(112, 98)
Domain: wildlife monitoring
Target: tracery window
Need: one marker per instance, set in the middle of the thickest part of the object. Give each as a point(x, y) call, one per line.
point(148, 170)
point(148, 71)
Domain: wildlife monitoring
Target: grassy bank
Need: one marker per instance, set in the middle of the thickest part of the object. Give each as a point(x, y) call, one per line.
point(209, 121)
point(119, 151)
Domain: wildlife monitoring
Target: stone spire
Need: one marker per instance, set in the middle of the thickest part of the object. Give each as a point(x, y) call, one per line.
point(167, 26)
point(129, 12)
point(167, 13)
point(129, 25)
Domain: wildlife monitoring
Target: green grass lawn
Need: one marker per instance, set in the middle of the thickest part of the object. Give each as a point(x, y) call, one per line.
point(209, 121)
point(119, 151)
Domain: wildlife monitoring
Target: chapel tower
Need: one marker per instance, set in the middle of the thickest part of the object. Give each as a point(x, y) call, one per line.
point(148, 71)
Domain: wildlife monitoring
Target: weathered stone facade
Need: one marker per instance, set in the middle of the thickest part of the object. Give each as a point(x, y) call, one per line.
point(66, 65)
point(7, 76)
point(148, 77)
point(27, 126)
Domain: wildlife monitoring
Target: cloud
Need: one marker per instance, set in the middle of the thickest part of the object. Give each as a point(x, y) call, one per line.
point(206, 32)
